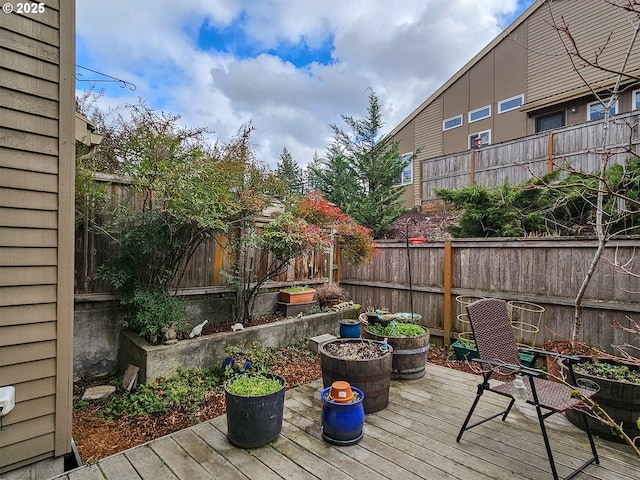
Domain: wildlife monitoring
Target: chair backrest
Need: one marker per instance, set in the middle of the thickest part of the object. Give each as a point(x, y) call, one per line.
point(493, 333)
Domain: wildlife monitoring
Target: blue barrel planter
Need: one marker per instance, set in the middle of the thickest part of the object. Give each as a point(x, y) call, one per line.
point(342, 422)
point(349, 328)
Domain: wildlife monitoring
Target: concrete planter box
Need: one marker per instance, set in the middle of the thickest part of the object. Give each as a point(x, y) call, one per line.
point(206, 352)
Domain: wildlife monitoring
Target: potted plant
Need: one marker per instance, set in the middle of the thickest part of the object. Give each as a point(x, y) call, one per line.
point(255, 407)
point(617, 381)
point(329, 294)
point(410, 344)
point(342, 414)
point(365, 364)
point(297, 294)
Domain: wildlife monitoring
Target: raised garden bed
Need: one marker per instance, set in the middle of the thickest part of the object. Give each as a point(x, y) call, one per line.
point(205, 352)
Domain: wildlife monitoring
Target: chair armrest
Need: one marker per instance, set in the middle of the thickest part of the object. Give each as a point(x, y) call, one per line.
point(571, 358)
point(513, 368)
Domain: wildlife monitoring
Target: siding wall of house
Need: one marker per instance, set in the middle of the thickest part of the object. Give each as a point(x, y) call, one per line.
point(37, 61)
point(528, 58)
point(551, 72)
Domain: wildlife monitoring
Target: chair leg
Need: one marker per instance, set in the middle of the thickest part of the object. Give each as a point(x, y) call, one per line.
point(466, 426)
point(473, 407)
point(547, 445)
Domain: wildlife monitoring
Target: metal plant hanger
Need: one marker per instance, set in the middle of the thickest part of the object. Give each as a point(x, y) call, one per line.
point(106, 78)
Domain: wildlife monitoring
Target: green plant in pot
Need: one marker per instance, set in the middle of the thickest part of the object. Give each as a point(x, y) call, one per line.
point(297, 294)
point(255, 408)
point(410, 344)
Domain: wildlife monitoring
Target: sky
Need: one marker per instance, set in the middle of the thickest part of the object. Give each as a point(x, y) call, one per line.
point(291, 68)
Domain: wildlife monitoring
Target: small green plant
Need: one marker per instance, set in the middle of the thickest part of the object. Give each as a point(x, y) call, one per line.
point(296, 289)
point(253, 385)
point(610, 371)
point(185, 390)
point(396, 329)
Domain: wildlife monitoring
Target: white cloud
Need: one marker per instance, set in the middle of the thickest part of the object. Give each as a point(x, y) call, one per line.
point(403, 50)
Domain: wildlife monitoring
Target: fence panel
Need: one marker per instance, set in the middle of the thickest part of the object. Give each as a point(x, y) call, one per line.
point(545, 272)
point(520, 160)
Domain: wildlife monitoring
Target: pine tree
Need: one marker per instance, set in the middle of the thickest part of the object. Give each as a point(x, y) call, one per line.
point(361, 171)
point(290, 173)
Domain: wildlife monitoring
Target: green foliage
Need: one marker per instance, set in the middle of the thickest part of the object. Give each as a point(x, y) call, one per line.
point(610, 370)
point(186, 390)
point(549, 206)
point(152, 311)
point(290, 173)
point(297, 288)
point(253, 385)
point(397, 329)
point(361, 171)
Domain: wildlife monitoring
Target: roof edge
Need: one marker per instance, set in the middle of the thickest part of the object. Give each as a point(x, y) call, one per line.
point(505, 33)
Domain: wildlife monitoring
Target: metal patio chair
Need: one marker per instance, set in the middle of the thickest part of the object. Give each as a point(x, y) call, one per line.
point(498, 354)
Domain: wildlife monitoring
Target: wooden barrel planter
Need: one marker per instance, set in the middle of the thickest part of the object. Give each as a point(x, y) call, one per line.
point(371, 375)
point(409, 354)
point(621, 400)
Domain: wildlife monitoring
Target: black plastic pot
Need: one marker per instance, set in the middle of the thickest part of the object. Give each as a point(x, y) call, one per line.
point(255, 421)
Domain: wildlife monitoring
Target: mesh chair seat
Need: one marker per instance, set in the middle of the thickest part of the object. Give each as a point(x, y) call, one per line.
point(497, 348)
point(551, 395)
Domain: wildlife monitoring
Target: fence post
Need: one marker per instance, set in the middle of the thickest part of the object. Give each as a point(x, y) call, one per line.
point(473, 166)
point(550, 153)
point(447, 305)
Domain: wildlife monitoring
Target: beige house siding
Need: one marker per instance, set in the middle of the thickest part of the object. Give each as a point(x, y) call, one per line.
point(37, 61)
point(526, 59)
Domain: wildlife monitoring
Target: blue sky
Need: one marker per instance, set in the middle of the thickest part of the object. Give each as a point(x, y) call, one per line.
point(291, 68)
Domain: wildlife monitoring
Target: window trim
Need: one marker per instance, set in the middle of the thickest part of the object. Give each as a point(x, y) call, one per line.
point(475, 134)
point(486, 107)
point(402, 183)
point(502, 102)
point(604, 100)
point(456, 117)
point(635, 105)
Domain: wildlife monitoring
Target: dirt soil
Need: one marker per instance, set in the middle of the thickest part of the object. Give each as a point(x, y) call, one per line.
point(430, 225)
point(97, 438)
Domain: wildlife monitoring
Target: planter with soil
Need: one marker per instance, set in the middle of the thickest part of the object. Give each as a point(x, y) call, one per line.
point(410, 344)
point(205, 352)
point(365, 364)
point(618, 395)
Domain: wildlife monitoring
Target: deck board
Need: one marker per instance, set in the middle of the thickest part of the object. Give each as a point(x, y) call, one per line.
point(413, 438)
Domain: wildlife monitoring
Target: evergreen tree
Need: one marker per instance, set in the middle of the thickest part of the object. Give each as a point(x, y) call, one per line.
point(361, 171)
point(290, 173)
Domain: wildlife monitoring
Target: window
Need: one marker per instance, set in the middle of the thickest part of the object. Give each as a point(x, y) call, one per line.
point(452, 122)
point(635, 100)
point(479, 114)
point(510, 104)
point(595, 110)
point(406, 177)
point(550, 121)
point(485, 139)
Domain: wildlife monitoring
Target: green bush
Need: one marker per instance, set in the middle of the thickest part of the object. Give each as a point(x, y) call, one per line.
point(152, 311)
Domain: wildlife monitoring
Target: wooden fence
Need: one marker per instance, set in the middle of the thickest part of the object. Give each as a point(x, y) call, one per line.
point(518, 161)
point(544, 272)
point(204, 271)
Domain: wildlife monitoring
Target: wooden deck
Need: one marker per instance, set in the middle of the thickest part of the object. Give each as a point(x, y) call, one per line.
point(413, 438)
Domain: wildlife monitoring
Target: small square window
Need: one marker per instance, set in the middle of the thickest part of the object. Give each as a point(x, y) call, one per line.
point(452, 122)
point(479, 114)
point(595, 110)
point(406, 177)
point(550, 121)
point(485, 139)
point(510, 104)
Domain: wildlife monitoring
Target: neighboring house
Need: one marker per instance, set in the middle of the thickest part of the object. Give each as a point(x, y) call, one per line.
point(521, 84)
point(37, 157)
